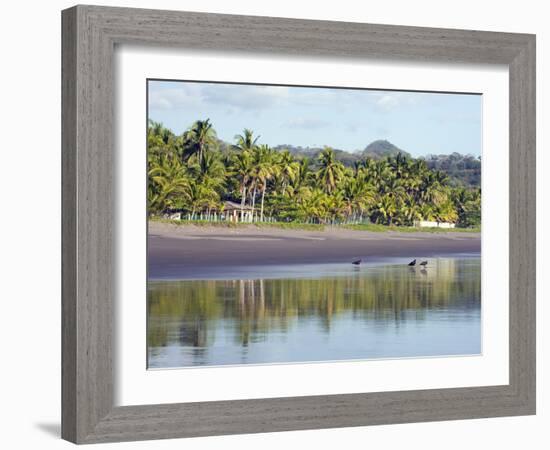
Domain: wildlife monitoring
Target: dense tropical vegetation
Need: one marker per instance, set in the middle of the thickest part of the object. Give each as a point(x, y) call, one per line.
point(462, 170)
point(196, 173)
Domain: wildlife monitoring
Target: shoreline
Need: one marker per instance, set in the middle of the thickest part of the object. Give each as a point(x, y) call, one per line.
point(196, 252)
point(306, 270)
point(262, 226)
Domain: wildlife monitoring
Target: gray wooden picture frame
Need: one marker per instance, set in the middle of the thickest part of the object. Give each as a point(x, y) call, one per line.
point(90, 34)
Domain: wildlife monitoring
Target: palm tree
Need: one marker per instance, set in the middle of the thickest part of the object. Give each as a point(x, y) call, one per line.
point(427, 211)
point(410, 210)
point(302, 176)
point(331, 171)
point(246, 142)
point(287, 169)
point(159, 130)
point(387, 208)
point(242, 168)
point(208, 170)
point(313, 205)
point(265, 168)
point(469, 210)
point(199, 138)
point(169, 184)
point(399, 164)
point(380, 172)
point(432, 191)
point(160, 140)
point(198, 196)
point(446, 211)
point(335, 206)
point(358, 196)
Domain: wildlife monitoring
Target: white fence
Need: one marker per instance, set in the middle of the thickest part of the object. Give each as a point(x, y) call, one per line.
point(430, 224)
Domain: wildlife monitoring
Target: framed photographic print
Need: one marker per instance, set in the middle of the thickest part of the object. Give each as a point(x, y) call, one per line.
point(279, 224)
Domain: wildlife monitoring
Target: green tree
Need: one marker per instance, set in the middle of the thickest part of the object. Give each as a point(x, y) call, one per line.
point(169, 185)
point(246, 142)
point(242, 169)
point(331, 171)
point(265, 168)
point(198, 139)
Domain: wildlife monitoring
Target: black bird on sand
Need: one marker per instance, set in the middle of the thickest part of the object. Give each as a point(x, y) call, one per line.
point(356, 262)
point(412, 263)
point(424, 263)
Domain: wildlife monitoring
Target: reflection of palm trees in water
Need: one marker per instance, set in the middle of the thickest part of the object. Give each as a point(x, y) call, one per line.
point(253, 309)
point(194, 335)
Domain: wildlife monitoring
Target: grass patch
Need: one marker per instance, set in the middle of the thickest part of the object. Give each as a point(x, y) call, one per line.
point(206, 223)
point(197, 223)
point(290, 226)
point(314, 227)
point(403, 229)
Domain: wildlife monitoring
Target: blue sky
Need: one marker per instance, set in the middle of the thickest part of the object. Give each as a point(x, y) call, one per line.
point(349, 119)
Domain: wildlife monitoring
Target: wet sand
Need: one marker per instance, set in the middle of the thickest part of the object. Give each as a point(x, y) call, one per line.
point(176, 251)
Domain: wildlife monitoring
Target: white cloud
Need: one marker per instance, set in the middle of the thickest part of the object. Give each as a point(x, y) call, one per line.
point(235, 98)
point(185, 95)
point(306, 123)
point(242, 98)
point(245, 98)
point(388, 102)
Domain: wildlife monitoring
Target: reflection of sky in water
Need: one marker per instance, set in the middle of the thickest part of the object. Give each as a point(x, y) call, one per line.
point(318, 313)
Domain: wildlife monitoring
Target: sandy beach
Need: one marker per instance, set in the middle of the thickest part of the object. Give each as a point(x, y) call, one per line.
point(186, 251)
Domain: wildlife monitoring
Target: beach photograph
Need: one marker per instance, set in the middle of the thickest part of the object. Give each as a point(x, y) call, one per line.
point(297, 224)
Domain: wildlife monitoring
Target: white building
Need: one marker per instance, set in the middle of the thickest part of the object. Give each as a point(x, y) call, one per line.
point(431, 224)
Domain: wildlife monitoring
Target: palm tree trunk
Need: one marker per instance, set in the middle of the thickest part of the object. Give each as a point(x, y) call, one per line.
point(262, 208)
point(253, 203)
point(243, 200)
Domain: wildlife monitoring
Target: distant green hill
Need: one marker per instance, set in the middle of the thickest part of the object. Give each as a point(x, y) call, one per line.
point(461, 169)
point(381, 149)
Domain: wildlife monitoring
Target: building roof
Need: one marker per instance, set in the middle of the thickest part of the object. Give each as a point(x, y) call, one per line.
point(230, 206)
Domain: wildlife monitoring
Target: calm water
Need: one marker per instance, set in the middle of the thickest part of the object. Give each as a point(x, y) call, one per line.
point(317, 313)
